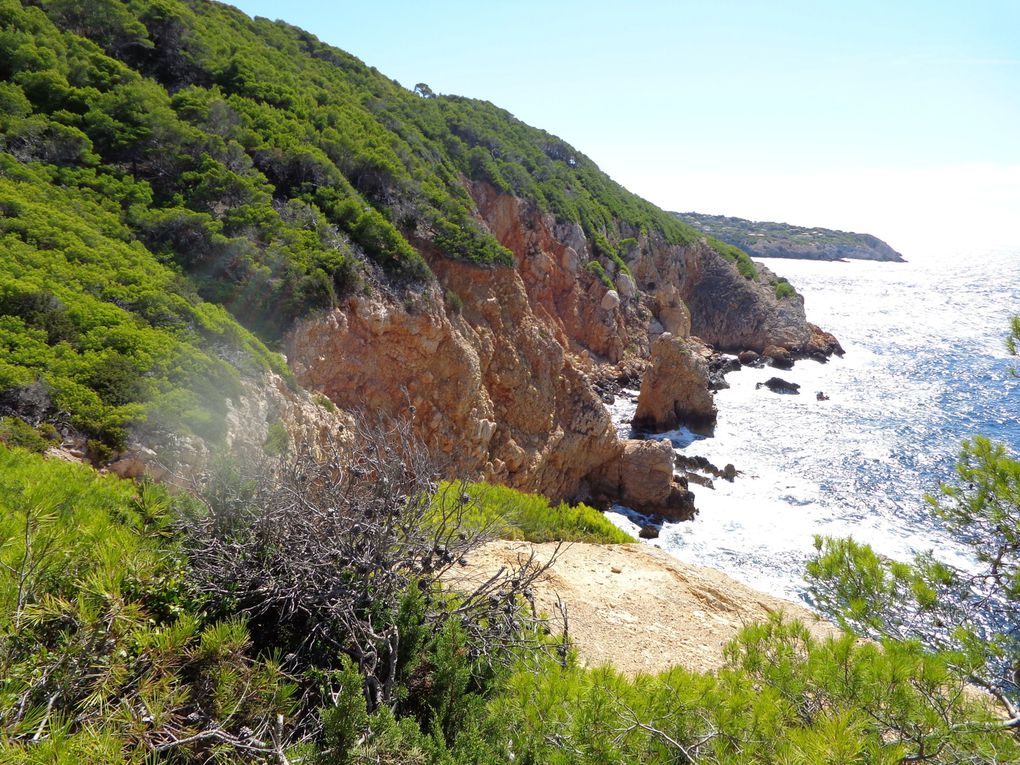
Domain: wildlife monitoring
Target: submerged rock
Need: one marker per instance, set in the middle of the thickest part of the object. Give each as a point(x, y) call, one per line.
point(696, 468)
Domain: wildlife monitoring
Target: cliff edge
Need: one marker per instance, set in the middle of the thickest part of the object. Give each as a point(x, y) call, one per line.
point(498, 364)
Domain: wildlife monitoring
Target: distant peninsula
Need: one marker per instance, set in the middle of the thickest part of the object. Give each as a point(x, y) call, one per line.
point(761, 239)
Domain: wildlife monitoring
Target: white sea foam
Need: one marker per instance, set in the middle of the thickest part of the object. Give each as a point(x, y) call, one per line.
point(925, 367)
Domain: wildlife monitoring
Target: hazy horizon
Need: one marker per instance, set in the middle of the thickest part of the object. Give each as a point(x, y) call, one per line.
point(894, 121)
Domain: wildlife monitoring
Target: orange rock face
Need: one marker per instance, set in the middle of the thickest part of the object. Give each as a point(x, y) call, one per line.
point(495, 363)
point(674, 390)
point(642, 478)
point(489, 388)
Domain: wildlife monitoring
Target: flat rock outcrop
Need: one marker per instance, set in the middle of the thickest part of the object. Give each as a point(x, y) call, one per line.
point(635, 606)
point(676, 388)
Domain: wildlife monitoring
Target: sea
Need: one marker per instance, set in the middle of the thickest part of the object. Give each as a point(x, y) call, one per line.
point(925, 367)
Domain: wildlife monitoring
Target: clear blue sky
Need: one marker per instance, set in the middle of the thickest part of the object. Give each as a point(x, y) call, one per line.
point(893, 116)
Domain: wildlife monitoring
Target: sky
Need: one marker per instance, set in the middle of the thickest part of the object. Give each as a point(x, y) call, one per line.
point(900, 118)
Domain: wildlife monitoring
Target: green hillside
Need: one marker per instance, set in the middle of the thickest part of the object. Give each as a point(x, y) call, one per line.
point(178, 184)
point(161, 156)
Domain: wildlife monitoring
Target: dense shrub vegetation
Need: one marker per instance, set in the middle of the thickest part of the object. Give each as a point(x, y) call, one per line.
point(511, 514)
point(784, 289)
point(160, 157)
point(119, 643)
point(114, 336)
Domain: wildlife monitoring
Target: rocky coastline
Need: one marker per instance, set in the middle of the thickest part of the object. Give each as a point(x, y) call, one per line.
point(505, 369)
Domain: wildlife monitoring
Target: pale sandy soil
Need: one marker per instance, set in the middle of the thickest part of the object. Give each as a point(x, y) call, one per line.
point(655, 613)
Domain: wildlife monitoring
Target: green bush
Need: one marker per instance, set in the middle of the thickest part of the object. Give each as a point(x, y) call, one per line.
point(454, 301)
point(596, 268)
point(512, 514)
point(325, 402)
point(784, 289)
point(99, 636)
point(277, 440)
point(745, 266)
point(15, 432)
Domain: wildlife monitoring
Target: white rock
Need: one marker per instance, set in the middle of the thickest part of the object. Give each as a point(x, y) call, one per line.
point(626, 286)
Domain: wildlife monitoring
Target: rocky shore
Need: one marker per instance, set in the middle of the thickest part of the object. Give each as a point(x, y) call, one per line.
point(504, 369)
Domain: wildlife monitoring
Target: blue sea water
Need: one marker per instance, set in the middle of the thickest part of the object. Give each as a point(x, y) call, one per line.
point(925, 367)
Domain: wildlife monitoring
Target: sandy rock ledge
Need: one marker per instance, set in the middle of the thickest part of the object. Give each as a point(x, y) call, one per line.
point(656, 612)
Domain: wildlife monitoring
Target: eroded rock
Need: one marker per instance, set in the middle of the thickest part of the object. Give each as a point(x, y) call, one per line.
point(675, 389)
point(642, 478)
point(778, 357)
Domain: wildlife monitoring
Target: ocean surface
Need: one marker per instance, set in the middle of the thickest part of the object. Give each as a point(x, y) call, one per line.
point(925, 367)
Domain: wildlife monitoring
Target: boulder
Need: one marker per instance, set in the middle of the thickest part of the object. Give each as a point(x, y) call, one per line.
point(822, 344)
point(749, 358)
point(778, 357)
point(611, 300)
point(625, 286)
point(779, 385)
point(676, 388)
point(649, 531)
point(642, 479)
point(31, 403)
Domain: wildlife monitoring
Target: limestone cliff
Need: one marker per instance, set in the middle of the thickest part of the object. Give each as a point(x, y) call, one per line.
point(496, 363)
